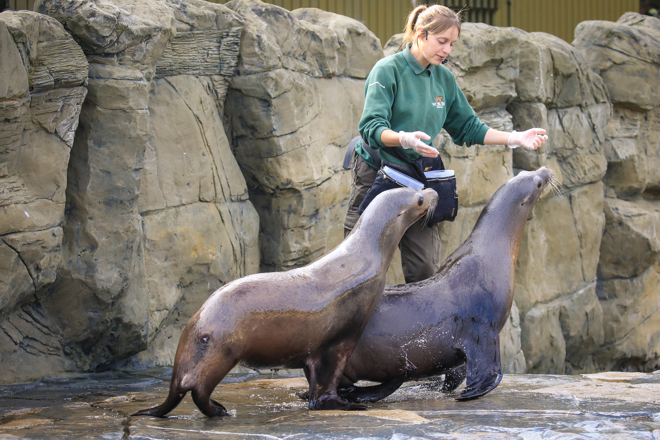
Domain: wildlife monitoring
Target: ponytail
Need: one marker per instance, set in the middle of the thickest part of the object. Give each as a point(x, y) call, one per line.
point(411, 23)
point(434, 19)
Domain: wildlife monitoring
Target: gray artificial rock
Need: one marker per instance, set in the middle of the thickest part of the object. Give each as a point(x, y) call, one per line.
point(358, 50)
point(293, 108)
point(623, 54)
point(159, 215)
point(630, 243)
point(626, 55)
point(42, 87)
point(549, 258)
point(542, 340)
point(631, 318)
point(511, 352)
point(485, 63)
point(581, 319)
point(587, 204)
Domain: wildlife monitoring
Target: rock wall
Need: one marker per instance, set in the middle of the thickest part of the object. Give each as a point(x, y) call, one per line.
point(209, 146)
point(43, 74)
point(157, 210)
point(517, 80)
point(292, 108)
point(626, 54)
point(587, 294)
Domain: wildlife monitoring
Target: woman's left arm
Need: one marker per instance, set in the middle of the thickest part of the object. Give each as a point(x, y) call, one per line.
point(530, 139)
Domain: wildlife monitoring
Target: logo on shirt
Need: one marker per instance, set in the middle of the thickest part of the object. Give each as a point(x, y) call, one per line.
point(439, 103)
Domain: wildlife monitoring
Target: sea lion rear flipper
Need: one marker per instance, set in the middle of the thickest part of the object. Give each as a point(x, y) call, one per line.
point(484, 371)
point(453, 378)
point(370, 394)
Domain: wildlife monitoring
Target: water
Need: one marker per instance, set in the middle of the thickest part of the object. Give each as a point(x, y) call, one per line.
point(528, 407)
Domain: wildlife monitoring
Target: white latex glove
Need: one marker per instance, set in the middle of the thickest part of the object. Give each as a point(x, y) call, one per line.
point(412, 140)
point(530, 139)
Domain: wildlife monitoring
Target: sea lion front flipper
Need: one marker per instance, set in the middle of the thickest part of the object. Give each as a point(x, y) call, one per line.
point(371, 394)
point(323, 377)
point(484, 371)
point(453, 378)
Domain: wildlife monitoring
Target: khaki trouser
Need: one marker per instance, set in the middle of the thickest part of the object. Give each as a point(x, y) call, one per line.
point(420, 245)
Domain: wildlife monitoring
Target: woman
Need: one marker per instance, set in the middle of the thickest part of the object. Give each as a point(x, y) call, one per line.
point(409, 98)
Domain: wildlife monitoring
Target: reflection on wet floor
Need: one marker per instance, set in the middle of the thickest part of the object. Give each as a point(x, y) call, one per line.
point(98, 406)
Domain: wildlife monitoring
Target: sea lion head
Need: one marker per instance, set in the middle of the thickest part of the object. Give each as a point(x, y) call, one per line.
point(511, 205)
point(530, 185)
point(197, 348)
point(402, 205)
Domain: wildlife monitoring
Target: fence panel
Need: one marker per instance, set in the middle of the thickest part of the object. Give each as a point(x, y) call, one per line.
point(20, 4)
point(387, 17)
point(559, 17)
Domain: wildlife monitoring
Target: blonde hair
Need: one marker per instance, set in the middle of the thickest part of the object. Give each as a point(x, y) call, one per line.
point(434, 19)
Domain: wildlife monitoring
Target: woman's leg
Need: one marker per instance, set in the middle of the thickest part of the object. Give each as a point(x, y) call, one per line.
point(363, 178)
point(420, 252)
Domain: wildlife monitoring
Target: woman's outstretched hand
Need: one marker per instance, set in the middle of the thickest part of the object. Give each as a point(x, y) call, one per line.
point(530, 139)
point(412, 140)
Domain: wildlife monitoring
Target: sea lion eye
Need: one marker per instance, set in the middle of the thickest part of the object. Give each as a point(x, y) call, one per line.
point(420, 200)
point(205, 339)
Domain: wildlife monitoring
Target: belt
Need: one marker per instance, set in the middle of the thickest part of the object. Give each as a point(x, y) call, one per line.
point(351, 147)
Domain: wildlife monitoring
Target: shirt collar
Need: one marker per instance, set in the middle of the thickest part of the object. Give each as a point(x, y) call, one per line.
point(414, 64)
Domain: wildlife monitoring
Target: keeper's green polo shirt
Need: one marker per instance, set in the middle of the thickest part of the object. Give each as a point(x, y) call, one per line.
point(402, 95)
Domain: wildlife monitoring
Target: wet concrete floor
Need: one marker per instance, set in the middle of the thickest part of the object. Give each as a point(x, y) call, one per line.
point(264, 406)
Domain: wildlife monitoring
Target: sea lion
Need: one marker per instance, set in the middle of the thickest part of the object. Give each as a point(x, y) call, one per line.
point(450, 323)
point(309, 318)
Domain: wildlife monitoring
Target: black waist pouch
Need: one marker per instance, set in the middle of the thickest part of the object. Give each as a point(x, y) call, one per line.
point(447, 207)
point(425, 173)
point(383, 183)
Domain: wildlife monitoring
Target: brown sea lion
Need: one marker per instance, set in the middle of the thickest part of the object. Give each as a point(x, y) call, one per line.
point(309, 318)
point(450, 323)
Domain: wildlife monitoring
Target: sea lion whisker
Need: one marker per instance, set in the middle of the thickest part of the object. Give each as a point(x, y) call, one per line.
point(556, 186)
point(429, 212)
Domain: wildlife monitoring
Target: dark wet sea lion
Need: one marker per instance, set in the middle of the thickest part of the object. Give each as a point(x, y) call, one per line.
point(450, 323)
point(309, 318)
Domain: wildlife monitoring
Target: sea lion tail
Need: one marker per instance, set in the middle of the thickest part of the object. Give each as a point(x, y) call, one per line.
point(174, 397)
point(371, 394)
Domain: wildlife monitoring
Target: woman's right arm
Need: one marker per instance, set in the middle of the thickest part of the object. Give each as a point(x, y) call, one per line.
point(375, 126)
point(380, 91)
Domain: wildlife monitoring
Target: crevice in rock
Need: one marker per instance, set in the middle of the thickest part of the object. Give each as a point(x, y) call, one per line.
point(27, 268)
point(36, 321)
point(275, 156)
point(159, 210)
point(610, 344)
point(555, 301)
point(628, 55)
point(206, 142)
point(579, 235)
point(238, 255)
